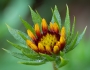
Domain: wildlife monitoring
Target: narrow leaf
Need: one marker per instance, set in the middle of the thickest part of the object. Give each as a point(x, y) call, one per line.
point(72, 33)
point(24, 36)
point(73, 27)
point(30, 54)
point(14, 33)
point(16, 46)
point(56, 17)
point(27, 25)
point(71, 45)
point(17, 55)
point(80, 36)
point(21, 56)
point(38, 62)
point(27, 52)
point(35, 17)
point(6, 50)
point(67, 22)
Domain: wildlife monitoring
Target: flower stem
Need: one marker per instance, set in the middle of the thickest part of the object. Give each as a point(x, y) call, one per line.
point(54, 66)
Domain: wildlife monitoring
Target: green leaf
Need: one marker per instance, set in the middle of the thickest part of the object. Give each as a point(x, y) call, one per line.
point(47, 57)
point(6, 50)
point(56, 17)
point(16, 46)
point(27, 26)
point(27, 52)
point(17, 55)
point(76, 40)
point(73, 27)
point(21, 56)
point(36, 17)
point(71, 45)
point(31, 54)
point(38, 62)
point(23, 35)
point(14, 33)
point(72, 33)
point(67, 23)
point(38, 13)
point(80, 37)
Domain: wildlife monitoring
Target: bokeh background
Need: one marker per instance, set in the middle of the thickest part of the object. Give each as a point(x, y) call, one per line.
point(79, 58)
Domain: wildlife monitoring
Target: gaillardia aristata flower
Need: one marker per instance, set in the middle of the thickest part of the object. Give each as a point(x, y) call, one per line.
point(45, 42)
point(50, 41)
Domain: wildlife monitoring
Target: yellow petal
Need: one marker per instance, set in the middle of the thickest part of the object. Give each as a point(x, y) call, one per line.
point(62, 40)
point(58, 44)
point(63, 32)
point(32, 45)
point(44, 26)
point(37, 30)
point(56, 28)
point(41, 47)
point(62, 43)
point(51, 27)
point(56, 49)
point(48, 49)
point(31, 35)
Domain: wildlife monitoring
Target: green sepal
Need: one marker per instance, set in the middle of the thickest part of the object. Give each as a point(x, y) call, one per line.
point(62, 53)
point(47, 57)
point(76, 40)
point(72, 33)
point(80, 37)
point(56, 17)
point(17, 55)
point(67, 23)
point(14, 33)
point(38, 13)
point(31, 54)
point(6, 50)
point(23, 35)
point(63, 62)
point(27, 25)
point(60, 62)
point(16, 45)
point(37, 62)
point(26, 51)
point(71, 45)
point(36, 17)
point(21, 56)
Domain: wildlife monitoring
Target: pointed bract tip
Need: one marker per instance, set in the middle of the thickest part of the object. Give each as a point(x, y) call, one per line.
point(6, 50)
point(85, 28)
point(55, 6)
point(67, 7)
point(30, 8)
point(7, 25)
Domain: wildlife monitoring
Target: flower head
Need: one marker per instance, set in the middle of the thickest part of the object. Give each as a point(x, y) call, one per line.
point(49, 40)
point(46, 42)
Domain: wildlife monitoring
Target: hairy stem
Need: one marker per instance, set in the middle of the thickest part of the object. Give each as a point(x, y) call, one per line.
point(54, 66)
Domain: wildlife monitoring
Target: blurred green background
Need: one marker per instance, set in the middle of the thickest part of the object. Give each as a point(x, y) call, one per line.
point(79, 58)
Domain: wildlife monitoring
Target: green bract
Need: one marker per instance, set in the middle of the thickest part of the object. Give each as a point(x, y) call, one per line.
point(33, 58)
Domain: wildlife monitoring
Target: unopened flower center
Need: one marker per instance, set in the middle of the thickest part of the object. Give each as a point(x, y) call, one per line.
point(48, 40)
